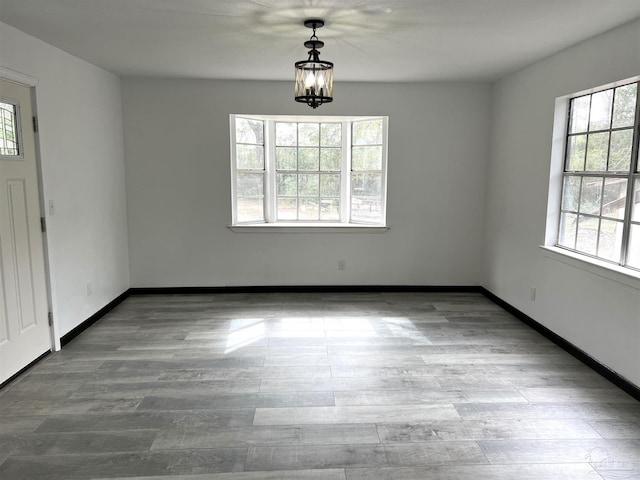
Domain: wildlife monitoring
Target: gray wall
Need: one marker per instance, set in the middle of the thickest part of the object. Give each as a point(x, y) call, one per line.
point(179, 201)
point(82, 155)
point(594, 308)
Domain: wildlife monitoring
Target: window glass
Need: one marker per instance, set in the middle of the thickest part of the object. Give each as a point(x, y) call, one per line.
point(9, 141)
point(620, 151)
point(331, 134)
point(366, 171)
point(634, 246)
point(625, 105)
point(249, 131)
point(600, 112)
point(635, 203)
point(579, 114)
point(576, 152)
point(249, 168)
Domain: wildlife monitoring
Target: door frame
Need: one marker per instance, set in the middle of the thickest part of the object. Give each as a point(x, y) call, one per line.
point(31, 83)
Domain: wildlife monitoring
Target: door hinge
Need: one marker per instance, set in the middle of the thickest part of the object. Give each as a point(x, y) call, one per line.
point(50, 315)
point(43, 224)
point(35, 124)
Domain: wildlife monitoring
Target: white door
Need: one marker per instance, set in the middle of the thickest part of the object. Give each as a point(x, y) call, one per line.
point(24, 325)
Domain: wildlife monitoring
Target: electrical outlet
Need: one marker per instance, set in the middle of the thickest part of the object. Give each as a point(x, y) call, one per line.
point(342, 265)
point(533, 294)
point(89, 288)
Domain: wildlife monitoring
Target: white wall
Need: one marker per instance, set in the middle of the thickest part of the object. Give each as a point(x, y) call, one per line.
point(178, 187)
point(598, 313)
point(80, 113)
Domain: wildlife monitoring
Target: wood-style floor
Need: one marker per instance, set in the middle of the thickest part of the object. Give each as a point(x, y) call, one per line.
point(390, 386)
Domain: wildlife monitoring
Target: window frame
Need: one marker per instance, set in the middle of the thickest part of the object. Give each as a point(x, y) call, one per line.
point(269, 176)
point(632, 176)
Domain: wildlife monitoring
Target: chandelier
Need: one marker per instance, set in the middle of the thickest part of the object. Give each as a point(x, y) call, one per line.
point(314, 77)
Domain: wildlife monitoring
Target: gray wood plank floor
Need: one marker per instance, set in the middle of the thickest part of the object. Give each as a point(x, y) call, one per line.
point(315, 386)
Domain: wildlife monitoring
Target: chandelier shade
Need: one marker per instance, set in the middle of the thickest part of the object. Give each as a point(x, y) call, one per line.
point(314, 77)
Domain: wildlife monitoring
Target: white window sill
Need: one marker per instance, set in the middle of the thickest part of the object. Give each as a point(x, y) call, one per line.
point(607, 270)
point(308, 228)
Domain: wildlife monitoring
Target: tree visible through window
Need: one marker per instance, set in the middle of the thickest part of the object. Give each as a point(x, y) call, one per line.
point(600, 210)
point(308, 170)
point(329, 170)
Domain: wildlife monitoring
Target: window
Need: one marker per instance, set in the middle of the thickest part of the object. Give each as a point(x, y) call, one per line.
point(9, 132)
point(600, 202)
point(295, 171)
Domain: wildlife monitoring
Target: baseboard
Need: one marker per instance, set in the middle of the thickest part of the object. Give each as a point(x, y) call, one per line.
point(66, 338)
point(17, 374)
point(567, 346)
point(305, 289)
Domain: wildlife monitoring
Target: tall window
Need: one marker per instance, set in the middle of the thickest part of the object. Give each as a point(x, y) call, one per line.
point(308, 170)
point(600, 210)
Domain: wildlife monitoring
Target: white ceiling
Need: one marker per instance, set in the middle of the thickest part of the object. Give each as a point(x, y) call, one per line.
point(393, 40)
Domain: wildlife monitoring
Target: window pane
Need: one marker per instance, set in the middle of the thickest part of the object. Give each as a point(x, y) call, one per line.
point(635, 209)
point(576, 151)
point(308, 185)
point(590, 195)
point(368, 132)
point(610, 241)
point(286, 134)
point(571, 193)
point(366, 184)
point(286, 158)
point(287, 209)
point(614, 198)
point(308, 134)
point(250, 157)
point(330, 185)
point(250, 209)
point(249, 131)
point(287, 184)
point(250, 184)
point(8, 133)
point(330, 159)
point(568, 225)
point(308, 159)
point(331, 134)
point(366, 201)
point(366, 158)
point(625, 105)
point(597, 149)
point(587, 234)
point(309, 209)
point(579, 114)
point(330, 209)
point(620, 151)
point(633, 253)
point(601, 104)
point(365, 209)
